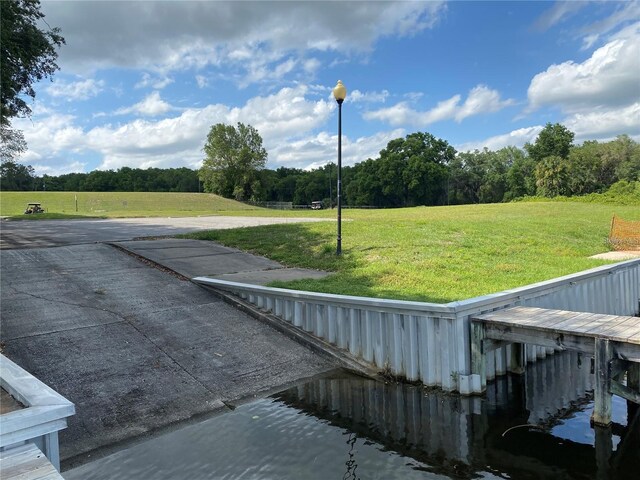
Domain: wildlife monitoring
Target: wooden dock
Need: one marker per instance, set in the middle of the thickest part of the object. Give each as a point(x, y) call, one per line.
point(27, 462)
point(613, 340)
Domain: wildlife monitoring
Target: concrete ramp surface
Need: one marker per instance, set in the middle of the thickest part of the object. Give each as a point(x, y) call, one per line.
point(136, 349)
point(199, 258)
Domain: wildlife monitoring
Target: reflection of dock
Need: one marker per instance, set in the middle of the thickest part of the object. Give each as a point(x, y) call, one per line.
point(614, 341)
point(460, 436)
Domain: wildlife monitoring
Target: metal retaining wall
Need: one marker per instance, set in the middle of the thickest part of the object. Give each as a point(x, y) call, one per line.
point(429, 342)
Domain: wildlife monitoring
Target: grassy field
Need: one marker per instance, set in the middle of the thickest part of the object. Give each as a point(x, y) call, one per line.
point(438, 254)
point(434, 254)
point(129, 204)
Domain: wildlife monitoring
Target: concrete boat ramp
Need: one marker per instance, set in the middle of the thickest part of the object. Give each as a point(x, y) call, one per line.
point(139, 350)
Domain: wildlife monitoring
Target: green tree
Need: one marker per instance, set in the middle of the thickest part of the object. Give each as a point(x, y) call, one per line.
point(234, 156)
point(28, 55)
point(12, 143)
point(521, 179)
point(553, 140)
point(587, 172)
point(414, 170)
point(624, 154)
point(14, 176)
point(552, 177)
point(365, 187)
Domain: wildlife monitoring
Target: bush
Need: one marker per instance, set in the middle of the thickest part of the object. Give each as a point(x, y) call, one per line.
point(620, 193)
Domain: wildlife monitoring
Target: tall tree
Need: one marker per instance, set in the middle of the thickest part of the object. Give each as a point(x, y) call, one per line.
point(234, 156)
point(553, 140)
point(552, 177)
point(28, 54)
point(419, 166)
point(14, 176)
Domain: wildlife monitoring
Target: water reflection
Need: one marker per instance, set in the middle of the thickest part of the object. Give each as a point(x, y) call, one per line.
point(534, 426)
point(530, 426)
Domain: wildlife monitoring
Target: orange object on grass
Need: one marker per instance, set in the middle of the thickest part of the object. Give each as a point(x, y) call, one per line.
point(625, 234)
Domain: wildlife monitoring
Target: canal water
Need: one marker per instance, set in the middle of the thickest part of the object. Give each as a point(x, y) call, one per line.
point(340, 426)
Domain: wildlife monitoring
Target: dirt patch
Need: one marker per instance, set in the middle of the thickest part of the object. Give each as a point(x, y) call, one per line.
point(621, 255)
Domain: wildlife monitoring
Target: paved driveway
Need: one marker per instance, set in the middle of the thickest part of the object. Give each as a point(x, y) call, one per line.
point(49, 233)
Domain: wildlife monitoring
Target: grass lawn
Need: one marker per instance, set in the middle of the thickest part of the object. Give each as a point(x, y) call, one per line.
point(60, 205)
point(438, 254)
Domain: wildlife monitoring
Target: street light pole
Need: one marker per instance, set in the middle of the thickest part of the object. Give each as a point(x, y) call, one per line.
point(339, 93)
point(330, 188)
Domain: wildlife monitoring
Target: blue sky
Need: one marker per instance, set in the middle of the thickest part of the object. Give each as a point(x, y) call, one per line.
point(141, 82)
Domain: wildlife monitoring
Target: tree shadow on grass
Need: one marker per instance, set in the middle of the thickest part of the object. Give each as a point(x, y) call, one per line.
point(311, 246)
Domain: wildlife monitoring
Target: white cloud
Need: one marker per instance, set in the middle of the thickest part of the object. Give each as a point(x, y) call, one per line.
point(368, 97)
point(202, 81)
point(559, 12)
point(260, 69)
point(157, 83)
point(516, 138)
point(54, 135)
point(151, 106)
point(281, 118)
point(73, 91)
point(162, 36)
point(598, 124)
point(481, 99)
point(602, 124)
point(59, 169)
point(608, 77)
point(624, 13)
point(311, 65)
point(315, 151)
point(284, 114)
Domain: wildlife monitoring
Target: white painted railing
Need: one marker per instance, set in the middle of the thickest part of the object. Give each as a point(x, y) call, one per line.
point(45, 412)
point(429, 342)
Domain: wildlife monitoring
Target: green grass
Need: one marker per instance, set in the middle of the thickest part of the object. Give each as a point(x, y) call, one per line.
point(437, 254)
point(131, 204)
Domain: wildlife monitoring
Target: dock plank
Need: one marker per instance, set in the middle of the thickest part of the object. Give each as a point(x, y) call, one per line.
point(567, 322)
point(27, 462)
point(620, 330)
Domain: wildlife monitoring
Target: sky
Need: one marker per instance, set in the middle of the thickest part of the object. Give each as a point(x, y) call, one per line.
point(141, 82)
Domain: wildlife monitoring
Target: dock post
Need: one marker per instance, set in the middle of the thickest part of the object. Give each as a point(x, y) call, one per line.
point(633, 376)
point(633, 382)
point(478, 360)
point(604, 449)
point(516, 361)
point(602, 389)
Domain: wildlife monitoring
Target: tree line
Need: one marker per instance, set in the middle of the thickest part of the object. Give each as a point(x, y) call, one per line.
point(14, 176)
point(418, 169)
point(421, 169)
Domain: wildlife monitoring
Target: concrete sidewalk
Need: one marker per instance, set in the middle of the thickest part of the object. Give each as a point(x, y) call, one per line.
point(200, 258)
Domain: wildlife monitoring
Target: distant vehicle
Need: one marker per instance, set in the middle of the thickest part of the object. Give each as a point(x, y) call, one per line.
point(317, 205)
point(34, 208)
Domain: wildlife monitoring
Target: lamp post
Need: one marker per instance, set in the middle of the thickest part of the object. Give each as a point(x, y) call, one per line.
point(339, 93)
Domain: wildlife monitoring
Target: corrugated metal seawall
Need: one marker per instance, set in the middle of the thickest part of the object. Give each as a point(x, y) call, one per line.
point(430, 342)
